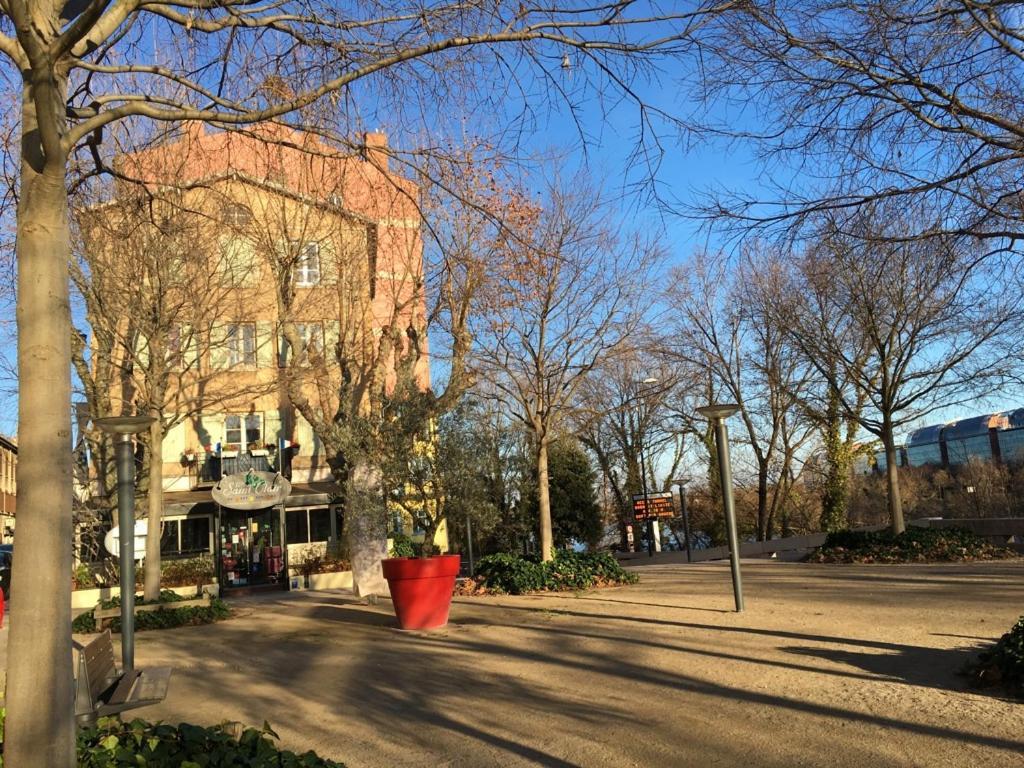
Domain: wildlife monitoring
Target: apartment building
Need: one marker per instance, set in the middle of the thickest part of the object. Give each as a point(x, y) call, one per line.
point(240, 228)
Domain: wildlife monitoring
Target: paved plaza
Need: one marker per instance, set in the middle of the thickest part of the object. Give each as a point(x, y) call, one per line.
point(829, 665)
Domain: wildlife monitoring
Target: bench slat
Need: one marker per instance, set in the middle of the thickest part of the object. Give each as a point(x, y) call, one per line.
point(123, 691)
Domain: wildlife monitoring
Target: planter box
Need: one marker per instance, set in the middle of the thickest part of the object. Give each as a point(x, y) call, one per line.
point(229, 454)
point(336, 580)
point(83, 599)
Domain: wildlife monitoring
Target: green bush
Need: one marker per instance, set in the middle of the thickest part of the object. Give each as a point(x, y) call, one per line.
point(914, 545)
point(1003, 663)
point(187, 572)
point(162, 619)
point(113, 744)
point(403, 546)
point(515, 575)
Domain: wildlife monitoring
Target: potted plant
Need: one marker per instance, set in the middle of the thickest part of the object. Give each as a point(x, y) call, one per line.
point(430, 479)
point(321, 568)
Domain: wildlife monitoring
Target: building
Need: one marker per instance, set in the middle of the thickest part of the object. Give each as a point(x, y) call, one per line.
point(8, 487)
point(250, 218)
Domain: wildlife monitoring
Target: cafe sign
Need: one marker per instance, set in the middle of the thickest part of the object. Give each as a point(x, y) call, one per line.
point(251, 490)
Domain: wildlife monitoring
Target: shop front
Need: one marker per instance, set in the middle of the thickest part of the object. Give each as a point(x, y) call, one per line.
point(251, 549)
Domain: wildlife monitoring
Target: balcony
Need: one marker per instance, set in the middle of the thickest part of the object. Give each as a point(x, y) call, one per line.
point(208, 468)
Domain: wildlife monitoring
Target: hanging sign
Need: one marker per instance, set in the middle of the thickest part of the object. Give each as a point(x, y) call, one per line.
point(251, 490)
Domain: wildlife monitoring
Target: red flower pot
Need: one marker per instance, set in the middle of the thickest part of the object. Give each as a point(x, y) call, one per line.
point(421, 589)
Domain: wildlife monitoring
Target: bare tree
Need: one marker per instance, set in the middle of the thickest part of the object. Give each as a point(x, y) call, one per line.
point(899, 327)
point(726, 327)
point(85, 66)
point(915, 103)
point(567, 299)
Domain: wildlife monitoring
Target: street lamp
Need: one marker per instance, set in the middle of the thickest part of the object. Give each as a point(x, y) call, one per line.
point(681, 482)
point(122, 428)
point(643, 476)
point(717, 414)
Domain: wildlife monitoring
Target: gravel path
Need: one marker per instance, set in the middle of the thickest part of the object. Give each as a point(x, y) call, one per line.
point(828, 666)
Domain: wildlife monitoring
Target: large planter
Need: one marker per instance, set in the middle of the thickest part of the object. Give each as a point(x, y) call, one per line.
point(421, 589)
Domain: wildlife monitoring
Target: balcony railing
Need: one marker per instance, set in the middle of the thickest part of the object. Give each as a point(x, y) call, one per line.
point(211, 467)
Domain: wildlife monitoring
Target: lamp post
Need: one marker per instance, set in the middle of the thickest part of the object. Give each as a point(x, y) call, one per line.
point(717, 414)
point(681, 482)
point(122, 428)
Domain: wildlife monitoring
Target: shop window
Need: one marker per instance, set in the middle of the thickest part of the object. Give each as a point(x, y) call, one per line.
point(195, 534)
point(169, 543)
point(306, 271)
point(319, 524)
point(184, 537)
point(241, 343)
point(297, 524)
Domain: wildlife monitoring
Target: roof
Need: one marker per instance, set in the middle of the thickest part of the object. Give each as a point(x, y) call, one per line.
point(975, 426)
point(925, 435)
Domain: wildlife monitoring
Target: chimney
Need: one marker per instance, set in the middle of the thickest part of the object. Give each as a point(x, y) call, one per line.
point(375, 149)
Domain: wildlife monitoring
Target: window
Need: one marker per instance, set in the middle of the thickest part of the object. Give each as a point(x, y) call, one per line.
point(187, 536)
point(243, 430)
point(236, 215)
point(319, 524)
point(298, 526)
point(241, 344)
point(307, 263)
point(308, 526)
point(312, 336)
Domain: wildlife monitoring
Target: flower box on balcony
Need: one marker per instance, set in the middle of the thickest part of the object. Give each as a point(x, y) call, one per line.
point(258, 452)
point(229, 454)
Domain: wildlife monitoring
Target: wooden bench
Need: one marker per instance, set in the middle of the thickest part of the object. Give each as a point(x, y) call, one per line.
point(103, 615)
point(101, 690)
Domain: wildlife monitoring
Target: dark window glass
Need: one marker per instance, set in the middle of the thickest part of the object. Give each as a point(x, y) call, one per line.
point(298, 526)
point(169, 538)
point(195, 534)
point(319, 524)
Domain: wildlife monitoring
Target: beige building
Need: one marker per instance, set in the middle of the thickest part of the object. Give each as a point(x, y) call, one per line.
point(241, 234)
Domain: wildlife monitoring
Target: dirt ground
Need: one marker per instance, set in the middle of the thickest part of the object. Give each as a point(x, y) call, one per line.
point(828, 666)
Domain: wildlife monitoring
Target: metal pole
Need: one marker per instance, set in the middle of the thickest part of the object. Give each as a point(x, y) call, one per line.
point(469, 544)
point(725, 473)
point(647, 508)
point(686, 520)
point(126, 545)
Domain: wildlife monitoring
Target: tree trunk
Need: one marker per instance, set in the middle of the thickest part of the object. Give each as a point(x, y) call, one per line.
point(762, 502)
point(155, 509)
point(892, 480)
point(40, 725)
point(544, 501)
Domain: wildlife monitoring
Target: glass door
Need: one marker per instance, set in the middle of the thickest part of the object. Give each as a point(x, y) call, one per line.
point(251, 549)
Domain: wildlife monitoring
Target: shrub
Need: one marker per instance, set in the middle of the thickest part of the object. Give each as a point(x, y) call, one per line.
point(914, 545)
point(166, 618)
point(187, 572)
point(403, 546)
point(515, 575)
point(317, 559)
point(1003, 663)
point(113, 744)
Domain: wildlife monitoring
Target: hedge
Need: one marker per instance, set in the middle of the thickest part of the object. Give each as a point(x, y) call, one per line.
point(166, 618)
point(914, 545)
point(516, 575)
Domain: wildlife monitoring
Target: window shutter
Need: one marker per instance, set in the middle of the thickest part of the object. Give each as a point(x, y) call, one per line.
point(264, 344)
point(328, 263)
point(189, 348)
point(332, 333)
point(140, 350)
point(210, 429)
point(272, 430)
point(237, 262)
point(218, 346)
